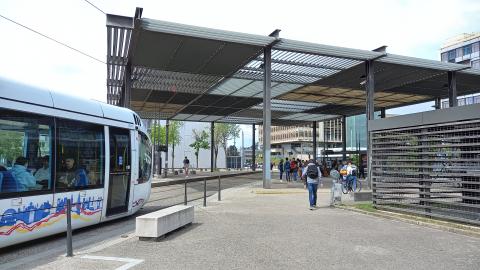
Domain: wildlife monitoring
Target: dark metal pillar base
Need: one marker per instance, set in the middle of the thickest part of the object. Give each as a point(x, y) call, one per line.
point(452, 89)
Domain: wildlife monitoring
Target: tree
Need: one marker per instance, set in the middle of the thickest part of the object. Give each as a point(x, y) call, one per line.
point(223, 133)
point(158, 132)
point(201, 142)
point(232, 151)
point(174, 137)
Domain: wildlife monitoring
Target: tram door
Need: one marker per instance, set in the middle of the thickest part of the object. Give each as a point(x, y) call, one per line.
point(119, 180)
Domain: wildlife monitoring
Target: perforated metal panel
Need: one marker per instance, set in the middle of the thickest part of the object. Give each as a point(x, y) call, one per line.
point(430, 170)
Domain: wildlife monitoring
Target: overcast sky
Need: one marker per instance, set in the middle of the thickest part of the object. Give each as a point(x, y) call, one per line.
point(414, 28)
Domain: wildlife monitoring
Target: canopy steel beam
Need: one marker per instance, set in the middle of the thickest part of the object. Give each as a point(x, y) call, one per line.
point(292, 73)
point(300, 64)
point(267, 116)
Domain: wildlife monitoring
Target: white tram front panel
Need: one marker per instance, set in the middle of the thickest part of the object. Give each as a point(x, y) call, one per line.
point(48, 155)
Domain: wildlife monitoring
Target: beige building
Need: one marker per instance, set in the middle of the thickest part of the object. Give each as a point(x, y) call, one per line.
point(297, 141)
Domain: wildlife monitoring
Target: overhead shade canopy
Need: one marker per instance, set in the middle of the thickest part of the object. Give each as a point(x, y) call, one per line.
point(194, 50)
point(192, 73)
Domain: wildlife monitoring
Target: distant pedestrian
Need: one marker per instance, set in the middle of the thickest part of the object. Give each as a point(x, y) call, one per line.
point(300, 168)
point(287, 170)
point(361, 170)
point(186, 165)
point(294, 169)
point(280, 168)
point(304, 178)
point(313, 175)
point(334, 165)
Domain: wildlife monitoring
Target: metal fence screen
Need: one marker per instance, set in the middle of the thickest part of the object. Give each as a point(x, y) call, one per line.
point(430, 170)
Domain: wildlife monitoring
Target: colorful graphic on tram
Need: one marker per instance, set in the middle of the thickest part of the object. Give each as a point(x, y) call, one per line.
point(33, 216)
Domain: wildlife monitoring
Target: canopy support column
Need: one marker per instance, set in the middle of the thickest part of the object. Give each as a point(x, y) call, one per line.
point(344, 137)
point(253, 148)
point(438, 103)
point(267, 117)
point(324, 155)
point(452, 89)
point(212, 146)
point(314, 135)
point(370, 112)
point(165, 171)
point(382, 113)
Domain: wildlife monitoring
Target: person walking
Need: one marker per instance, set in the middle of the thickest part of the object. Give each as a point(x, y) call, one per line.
point(300, 168)
point(313, 175)
point(186, 165)
point(287, 169)
point(294, 169)
point(281, 169)
point(304, 178)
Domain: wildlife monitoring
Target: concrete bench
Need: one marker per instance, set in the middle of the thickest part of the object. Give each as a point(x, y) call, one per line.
point(155, 225)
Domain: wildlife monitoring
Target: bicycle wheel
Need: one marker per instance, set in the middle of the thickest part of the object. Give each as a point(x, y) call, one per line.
point(344, 187)
point(357, 186)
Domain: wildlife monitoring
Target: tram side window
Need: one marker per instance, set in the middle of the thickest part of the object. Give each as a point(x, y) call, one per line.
point(80, 155)
point(145, 159)
point(25, 153)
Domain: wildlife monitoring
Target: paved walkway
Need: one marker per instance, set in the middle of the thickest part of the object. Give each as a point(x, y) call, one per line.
point(256, 229)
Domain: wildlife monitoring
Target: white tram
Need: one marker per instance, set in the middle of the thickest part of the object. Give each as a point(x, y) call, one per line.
point(54, 147)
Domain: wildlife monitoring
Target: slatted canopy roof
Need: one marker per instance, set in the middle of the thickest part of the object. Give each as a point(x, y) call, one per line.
point(165, 70)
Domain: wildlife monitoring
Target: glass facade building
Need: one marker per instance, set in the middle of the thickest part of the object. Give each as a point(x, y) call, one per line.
point(356, 132)
point(463, 49)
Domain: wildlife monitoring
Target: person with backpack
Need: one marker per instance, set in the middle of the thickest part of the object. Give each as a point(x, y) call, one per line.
point(186, 165)
point(293, 169)
point(313, 175)
point(281, 168)
point(287, 170)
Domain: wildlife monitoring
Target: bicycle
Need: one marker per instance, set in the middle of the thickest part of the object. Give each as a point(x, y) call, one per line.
point(351, 184)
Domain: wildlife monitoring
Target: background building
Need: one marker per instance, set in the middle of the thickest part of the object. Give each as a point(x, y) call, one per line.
point(463, 49)
point(296, 141)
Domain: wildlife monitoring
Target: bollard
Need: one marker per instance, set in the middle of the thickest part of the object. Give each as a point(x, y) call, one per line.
point(219, 189)
point(185, 197)
point(68, 211)
point(204, 192)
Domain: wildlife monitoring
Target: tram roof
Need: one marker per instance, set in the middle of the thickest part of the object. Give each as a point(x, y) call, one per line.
point(15, 91)
point(185, 72)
